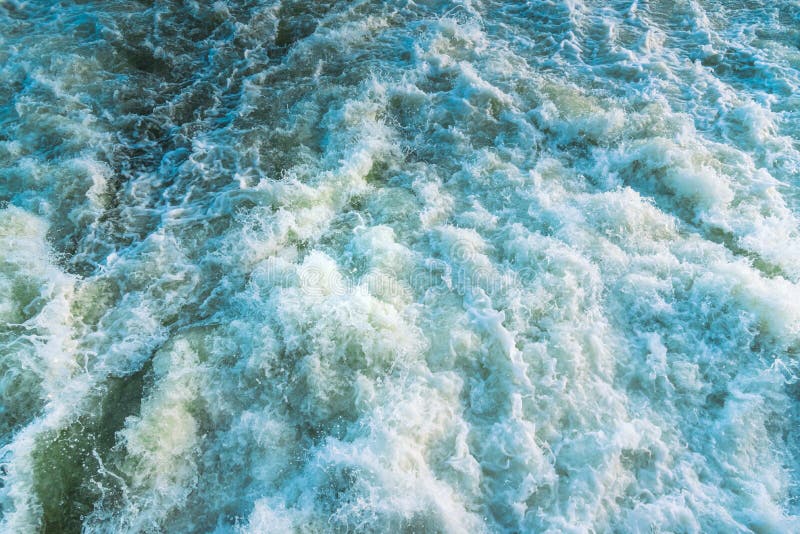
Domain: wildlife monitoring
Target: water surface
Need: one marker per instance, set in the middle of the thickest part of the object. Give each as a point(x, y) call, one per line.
point(401, 266)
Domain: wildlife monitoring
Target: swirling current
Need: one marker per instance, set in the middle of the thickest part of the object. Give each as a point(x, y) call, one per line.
point(404, 266)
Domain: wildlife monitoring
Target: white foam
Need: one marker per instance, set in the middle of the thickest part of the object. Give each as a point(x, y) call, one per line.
point(378, 267)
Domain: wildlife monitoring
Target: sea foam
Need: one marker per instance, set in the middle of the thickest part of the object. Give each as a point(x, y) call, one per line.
point(399, 266)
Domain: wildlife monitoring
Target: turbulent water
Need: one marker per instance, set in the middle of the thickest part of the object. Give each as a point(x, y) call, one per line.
point(478, 266)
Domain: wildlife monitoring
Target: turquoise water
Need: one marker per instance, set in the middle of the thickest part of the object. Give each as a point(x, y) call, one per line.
point(426, 266)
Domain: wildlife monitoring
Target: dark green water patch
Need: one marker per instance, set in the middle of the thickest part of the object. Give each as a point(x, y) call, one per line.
point(71, 465)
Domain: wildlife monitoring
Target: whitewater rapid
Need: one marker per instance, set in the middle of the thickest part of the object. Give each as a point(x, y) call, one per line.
point(476, 266)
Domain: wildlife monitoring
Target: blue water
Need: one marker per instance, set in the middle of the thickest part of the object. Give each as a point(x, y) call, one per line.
point(476, 266)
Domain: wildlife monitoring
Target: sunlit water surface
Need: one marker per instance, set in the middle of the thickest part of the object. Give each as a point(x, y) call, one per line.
point(402, 266)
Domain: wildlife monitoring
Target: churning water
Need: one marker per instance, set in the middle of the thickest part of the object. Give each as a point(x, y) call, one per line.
point(477, 266)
